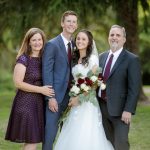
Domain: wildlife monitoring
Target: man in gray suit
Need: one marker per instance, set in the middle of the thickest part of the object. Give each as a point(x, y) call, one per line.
point(56, 72)
point(118, 101)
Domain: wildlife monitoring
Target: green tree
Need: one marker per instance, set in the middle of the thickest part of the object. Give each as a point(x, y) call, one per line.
point(97, 15)
point(127, 14)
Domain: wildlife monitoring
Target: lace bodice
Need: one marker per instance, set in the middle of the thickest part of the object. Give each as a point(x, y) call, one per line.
point(79, 68)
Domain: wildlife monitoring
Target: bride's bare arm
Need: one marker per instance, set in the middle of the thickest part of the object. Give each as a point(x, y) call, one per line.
point(94, 68)
point(74, 101)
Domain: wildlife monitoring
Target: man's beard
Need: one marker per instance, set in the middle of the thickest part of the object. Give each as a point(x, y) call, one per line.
point(114, 46)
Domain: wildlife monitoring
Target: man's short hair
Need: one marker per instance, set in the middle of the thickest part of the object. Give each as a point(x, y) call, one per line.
point(120, 27)
point(67, 13)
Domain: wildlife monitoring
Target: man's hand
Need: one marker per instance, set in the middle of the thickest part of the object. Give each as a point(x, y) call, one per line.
point(126, 117)
point(53, 105)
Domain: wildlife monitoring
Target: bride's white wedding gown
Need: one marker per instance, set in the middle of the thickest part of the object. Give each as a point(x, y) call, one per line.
point(83, 129)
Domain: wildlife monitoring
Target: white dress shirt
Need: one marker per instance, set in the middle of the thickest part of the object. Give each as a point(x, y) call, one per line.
point(65, 42)
point(116, 55)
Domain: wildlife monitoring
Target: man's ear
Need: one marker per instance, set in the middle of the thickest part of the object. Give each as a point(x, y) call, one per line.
point(62, 24)
point(124, 39)
point(77, 26)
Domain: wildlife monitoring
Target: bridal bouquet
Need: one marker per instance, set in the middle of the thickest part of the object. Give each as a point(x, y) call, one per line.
point(83, 85)
point(85, 88)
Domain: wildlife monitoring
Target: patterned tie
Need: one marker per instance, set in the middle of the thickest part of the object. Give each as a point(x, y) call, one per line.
point(106, 75)
point(69, 52)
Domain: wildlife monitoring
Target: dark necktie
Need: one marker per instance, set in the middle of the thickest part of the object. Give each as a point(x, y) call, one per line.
point(107, 68)
point(106, 75)
point(69, 52)
point(69, 60)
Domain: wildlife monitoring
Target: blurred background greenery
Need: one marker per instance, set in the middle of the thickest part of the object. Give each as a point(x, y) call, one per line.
point(17, 16)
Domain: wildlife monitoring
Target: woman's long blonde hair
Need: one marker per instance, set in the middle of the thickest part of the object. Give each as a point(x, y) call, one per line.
point(25, 47)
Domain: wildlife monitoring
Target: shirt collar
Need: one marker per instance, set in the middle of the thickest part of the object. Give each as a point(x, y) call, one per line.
point(65, 40)
point(116, 53)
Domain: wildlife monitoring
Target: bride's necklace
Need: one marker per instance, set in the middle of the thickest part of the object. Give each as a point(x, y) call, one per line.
point(80, 61)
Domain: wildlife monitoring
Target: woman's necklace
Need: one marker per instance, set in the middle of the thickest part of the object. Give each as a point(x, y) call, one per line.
point(80, 61)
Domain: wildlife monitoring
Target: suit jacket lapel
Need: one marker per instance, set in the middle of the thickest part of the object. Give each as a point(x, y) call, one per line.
point(118, 61)
point(62, 47)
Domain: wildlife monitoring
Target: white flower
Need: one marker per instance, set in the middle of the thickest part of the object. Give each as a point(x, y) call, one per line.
point(94, 78)
point(83, 85)
point(86, 89)
point(103, 86)
point(75, 89)
point(99, 82)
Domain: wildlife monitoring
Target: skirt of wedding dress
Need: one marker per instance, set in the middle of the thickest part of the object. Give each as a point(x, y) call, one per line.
point(83, 130)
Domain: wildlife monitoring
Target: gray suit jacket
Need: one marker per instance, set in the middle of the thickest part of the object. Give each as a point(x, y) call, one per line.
point(55, 67)
point(123, 84)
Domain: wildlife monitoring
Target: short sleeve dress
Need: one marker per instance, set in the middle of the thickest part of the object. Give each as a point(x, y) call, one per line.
point(26, 122)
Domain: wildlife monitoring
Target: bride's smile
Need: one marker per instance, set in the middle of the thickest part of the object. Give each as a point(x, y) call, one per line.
point(82, 41)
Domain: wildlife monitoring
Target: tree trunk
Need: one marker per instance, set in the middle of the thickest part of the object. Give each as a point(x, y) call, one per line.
point(127, 16)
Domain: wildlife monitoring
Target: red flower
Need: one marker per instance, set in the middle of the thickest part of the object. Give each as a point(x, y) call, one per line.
point(88, 81)
point(80, 81)
point(100, 76)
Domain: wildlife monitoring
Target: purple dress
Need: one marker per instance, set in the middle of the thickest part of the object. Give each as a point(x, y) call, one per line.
point(26, 122)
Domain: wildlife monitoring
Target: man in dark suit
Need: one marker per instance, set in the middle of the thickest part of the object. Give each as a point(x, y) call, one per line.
point(122, 74)
point(56, 72)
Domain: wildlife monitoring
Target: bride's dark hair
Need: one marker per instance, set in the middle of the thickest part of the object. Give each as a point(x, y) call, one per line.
point(76, 54)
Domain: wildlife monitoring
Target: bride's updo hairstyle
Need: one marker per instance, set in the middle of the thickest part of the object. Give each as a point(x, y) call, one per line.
point(76, 55)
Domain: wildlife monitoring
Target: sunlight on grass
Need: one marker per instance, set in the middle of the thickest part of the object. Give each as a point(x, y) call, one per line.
point(140, 128)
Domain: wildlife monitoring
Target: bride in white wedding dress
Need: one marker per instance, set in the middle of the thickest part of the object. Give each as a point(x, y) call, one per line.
point(83, 129)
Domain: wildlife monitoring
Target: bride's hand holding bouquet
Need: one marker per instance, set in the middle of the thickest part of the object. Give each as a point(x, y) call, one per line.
point(82, 86)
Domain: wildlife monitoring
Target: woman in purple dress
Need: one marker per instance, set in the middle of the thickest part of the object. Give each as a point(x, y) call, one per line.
point(26, 122)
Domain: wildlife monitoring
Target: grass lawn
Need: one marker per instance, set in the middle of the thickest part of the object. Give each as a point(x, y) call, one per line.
point(139, 132)
point(140, 129)
point(5, 107)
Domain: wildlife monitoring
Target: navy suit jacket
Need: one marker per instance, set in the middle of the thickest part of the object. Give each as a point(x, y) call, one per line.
point(55, 67)
point(123, 84)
